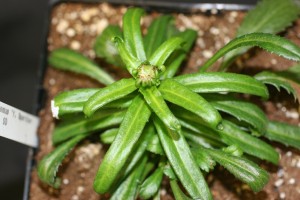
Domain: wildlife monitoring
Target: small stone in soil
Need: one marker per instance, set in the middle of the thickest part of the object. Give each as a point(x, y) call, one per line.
point(62, 26)
point(163, 192)
point(70, 32)
point(283, 109)
point(280, 173)
point(233, 14)
point(289, 154)
point(215, 31)
point(66, 181)
point(52, 81)
point(292, 181)
point(207, 54)
point(298, 164)
point(282, 195)
point(82, 175)
point(86, 15)
point(80, 189)
point(273, 61)
point(75, 45)
point(279, 182)
point(75, 197)
point(292, 114)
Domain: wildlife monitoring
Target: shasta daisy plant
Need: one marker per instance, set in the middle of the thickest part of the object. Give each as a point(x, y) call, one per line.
point(159, 124)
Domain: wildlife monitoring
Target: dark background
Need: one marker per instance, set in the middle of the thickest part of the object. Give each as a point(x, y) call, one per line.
point(21, 28)
point(21, 37)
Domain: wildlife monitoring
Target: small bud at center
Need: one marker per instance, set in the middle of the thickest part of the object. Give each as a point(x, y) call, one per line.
point(147, 75)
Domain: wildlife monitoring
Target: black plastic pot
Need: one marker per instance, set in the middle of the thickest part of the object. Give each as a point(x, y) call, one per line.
point(186, 6)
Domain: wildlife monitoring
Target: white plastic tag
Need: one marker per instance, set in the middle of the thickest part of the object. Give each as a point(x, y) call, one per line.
point(18, 125)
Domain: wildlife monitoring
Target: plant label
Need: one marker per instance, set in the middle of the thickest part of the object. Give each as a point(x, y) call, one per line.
point(18, 125)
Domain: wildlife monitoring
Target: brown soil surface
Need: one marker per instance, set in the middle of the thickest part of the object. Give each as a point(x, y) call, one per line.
point(76, 26)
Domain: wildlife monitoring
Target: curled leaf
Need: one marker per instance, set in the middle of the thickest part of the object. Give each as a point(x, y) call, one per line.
point(180, 95)
point(243, 169)
point(48, 166)
point(132, 33)
point(130, 131)
point(242, 110)
point(81, 125)
point(108, 94)
point(284, 133)
point(163, 52)
point(183, 163)
point(105, 48)
point(155, 100)
point(268, 42)
point(151, 185)
point(70, 60)
point(233, 135)
point(211, 82)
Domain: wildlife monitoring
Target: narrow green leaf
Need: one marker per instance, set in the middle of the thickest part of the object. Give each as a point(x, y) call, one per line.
point(203, 159)
point(169, 172)
point(131, 62)
point(268, 16)
point(108, 136)
point(233, 135)
point(130, 131)
point(180, 95)
point(121, 103)
point(105, 48)
point(174, 61)
point(48, 166)
point(200, 138)
point(151, 185)
point(108, 94)
point(128, 189)
point(154, 145)
point(162, 53)
point(132, 32)
point(178, 194)
point(157, 33)
point(183, 163)
point(242, 110)
point(140, 148)
point(196, 130)
point(212, 82)
point(243, 169)
point(279, 81)
point(284, 133)
point(268, 42)
point(151, 164)
point(77, 95)
point(161, 109)
point(71, 101)
point(81, 125)
point(188, 117)
point(67, 59)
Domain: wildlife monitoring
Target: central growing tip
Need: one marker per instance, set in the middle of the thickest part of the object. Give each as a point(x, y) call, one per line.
point(148, 75)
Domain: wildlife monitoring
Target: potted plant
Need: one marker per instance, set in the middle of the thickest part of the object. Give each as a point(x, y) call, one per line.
point(155, 123)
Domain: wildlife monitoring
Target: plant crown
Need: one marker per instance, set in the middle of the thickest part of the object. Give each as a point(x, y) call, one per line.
point(179, 126)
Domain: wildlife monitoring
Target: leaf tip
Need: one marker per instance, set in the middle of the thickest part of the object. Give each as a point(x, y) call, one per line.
point(54, 109)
